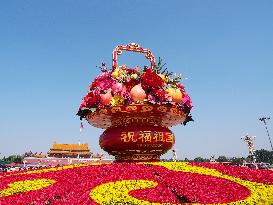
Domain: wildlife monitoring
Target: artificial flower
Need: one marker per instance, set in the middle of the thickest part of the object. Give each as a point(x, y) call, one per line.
point(150, 80)
point(105, 74)
point(106, 84)
point(121, 80)
point(89, 100)
point(163, 77)
point(117, 100)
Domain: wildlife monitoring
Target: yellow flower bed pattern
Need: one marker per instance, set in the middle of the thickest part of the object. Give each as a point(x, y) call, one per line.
point(118, 190)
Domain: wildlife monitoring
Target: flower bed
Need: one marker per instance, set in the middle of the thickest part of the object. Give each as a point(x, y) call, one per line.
point(145, 183)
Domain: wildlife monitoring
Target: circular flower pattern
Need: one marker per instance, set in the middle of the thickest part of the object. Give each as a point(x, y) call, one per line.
point(142, 183)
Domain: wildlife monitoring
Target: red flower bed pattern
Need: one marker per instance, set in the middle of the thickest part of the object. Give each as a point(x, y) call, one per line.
point(74, 185)
point(255, 175)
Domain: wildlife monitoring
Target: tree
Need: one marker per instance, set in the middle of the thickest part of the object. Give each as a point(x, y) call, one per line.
point(186, 160)
point(14, 158)
point(264, 156)
point(199, 159)
point(222, 159)
point(237, 160)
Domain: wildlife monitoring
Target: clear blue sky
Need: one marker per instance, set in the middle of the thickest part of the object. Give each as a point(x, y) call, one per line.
point(49, 51)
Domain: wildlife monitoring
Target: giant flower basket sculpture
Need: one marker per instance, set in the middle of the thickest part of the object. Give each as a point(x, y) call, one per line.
point(136, 106)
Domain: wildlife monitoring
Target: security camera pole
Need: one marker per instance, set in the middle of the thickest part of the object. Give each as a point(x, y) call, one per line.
point(264, 119)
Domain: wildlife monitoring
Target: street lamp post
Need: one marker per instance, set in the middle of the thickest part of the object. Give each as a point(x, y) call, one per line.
point(264, 119)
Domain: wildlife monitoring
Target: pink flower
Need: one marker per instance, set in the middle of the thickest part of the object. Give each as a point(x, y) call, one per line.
point(103, 75)
point(106, 84)
point(187, 100)
point(179, 85)
point(89, 100)
point(151, 98)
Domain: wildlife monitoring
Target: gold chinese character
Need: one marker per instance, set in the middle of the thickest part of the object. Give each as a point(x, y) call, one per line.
point(128, 136)
point(158, 137)
point(169, 137)
point(145, 136)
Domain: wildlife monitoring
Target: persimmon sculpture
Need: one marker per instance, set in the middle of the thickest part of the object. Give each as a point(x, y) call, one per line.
point(136, 106)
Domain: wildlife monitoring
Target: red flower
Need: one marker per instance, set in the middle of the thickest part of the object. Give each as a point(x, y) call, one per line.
point(131, 83)
point(89, 100)
point(255, 175)
point(106, 84)
point(160, 95)
point(103, 75)
point(187, 100)
point(93, 85)
point(150, 80)
point(73, 185)
point(179, 85)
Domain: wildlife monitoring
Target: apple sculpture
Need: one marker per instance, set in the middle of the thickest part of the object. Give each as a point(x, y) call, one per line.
point(136, 107)
point(137, 93)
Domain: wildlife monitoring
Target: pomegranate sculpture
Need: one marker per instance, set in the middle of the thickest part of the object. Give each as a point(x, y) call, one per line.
point(136, 106)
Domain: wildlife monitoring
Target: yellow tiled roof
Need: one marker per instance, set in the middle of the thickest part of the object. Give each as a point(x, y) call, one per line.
point(68, 153)
point(70, 147)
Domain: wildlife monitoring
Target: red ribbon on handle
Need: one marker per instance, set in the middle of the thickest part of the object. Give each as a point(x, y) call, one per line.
point(135, 48)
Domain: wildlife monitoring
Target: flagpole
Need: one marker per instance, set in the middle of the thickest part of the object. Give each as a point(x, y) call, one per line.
point(81, 128)
point(79, 149)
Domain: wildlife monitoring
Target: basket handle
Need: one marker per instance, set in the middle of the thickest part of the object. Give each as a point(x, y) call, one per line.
point(135, 48)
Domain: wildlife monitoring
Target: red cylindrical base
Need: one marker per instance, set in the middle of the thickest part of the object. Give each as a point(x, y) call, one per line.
point(137, 143)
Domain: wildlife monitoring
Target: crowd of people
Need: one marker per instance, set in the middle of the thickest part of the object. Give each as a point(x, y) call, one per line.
point(18, 167)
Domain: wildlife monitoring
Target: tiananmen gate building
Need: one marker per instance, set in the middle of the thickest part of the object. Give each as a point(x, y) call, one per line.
point(69, 151)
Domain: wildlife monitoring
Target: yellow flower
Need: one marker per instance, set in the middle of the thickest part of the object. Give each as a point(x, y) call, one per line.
point(118, 192)
point(26, 186)
point(163, 77)
point(117, 100)
point(115, 74)
point(134, 76)
point(260, 193)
